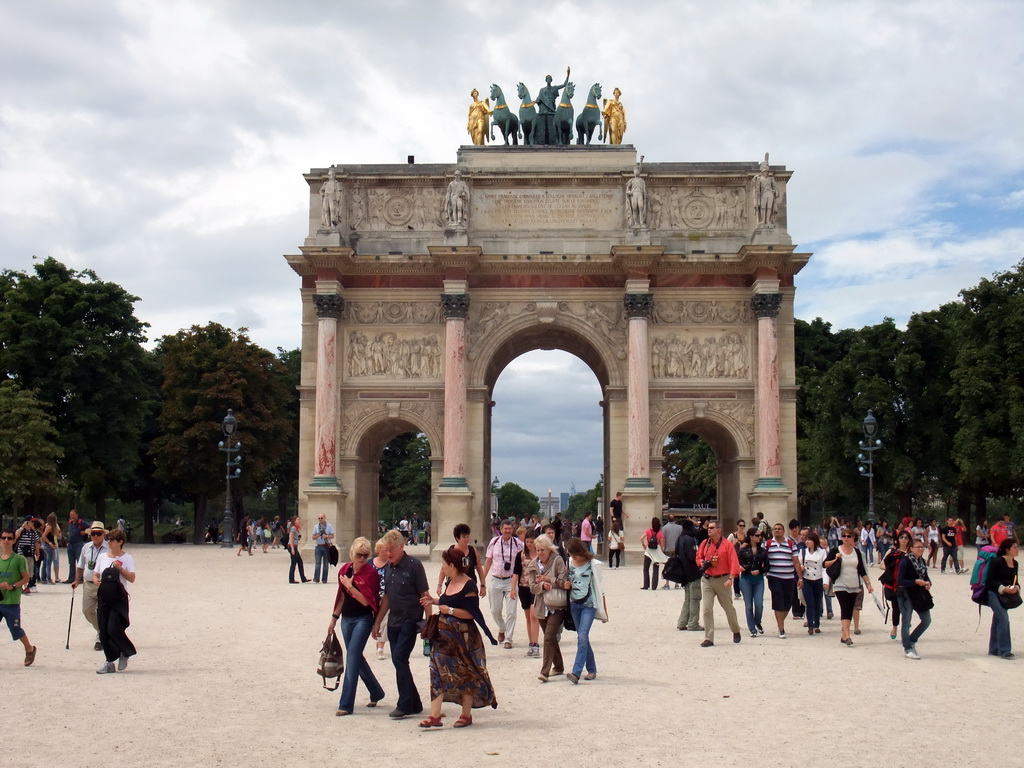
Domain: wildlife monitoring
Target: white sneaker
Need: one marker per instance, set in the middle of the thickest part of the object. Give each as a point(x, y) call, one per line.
point(106, 669)
point(122, 663)
point(911, 653)
point(380, 654)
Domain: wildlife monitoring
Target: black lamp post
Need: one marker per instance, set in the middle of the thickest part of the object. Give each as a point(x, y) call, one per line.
point(230, 444)
point(866, 459)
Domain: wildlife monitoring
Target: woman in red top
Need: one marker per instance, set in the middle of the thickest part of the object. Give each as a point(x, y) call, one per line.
point(653, 540)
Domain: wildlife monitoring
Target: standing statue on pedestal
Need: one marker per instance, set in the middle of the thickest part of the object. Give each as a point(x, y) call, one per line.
point(766, 196)
point(478, 125)
point(456, 203)
point(614, 119)
point(547, 102)
point(636, 200)
point(330, 202)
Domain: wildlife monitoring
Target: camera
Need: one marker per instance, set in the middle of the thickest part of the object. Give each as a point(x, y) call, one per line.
point(705, 566)
point(508, 566)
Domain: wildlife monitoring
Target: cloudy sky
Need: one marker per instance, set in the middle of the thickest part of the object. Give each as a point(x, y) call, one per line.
point(161, 144)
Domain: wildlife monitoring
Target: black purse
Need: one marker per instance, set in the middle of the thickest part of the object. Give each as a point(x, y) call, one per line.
point(1011, 601)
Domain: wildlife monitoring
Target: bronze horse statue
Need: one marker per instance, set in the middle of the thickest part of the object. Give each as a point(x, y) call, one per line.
point(503, 117)
point(563, 116)
point(590, 117)
point(527, 113)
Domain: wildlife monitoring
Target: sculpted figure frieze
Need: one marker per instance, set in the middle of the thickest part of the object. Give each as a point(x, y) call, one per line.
point(722, 208)
point(700, 356)
point(391, 355)
point(701, 312)
point(403, 312)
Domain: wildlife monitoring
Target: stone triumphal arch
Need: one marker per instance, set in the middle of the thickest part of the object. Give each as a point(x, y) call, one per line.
point(420, 283)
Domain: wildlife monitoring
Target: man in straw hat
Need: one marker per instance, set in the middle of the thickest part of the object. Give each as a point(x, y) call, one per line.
point(84, 572)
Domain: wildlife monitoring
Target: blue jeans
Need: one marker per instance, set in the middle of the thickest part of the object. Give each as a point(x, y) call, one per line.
point(583, 616)
point(321, 559)
point(403, 639)
point(49, 560)
point(906, 614)
point(999, 635)
point(752, 589)
point(74, 552)
point(814, 597)
point(355, 631)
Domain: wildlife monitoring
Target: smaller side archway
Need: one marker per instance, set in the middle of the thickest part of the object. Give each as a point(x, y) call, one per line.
point(362, 468)
point(728, 444)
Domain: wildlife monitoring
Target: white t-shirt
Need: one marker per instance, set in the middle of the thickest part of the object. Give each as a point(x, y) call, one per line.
point(105, 560)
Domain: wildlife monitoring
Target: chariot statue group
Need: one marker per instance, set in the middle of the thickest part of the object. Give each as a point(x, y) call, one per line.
point(548, 119)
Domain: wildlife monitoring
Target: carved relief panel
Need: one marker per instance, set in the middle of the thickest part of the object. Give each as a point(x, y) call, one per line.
point(720, 208)
point(712, 353)
point(394, 355)
point(402, 208)
point(404, 312)
point(700, 312)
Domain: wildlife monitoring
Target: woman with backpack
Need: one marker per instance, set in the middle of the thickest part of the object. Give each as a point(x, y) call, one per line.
point(652, 541)
point(913, 594)
point(1003, 596)
point(891, 564)
point(115, 570)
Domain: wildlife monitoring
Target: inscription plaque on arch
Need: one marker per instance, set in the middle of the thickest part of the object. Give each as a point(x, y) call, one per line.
point(531, 209)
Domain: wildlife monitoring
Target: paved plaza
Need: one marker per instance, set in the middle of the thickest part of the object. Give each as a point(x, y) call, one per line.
point(226, 676)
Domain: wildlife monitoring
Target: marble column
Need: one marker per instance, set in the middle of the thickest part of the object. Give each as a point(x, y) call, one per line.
point(638, 310)
point(769, 463)
point(328, 309)
point(456, 307)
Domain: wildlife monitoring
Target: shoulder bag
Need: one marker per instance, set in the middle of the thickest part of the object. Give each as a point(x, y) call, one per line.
point(332, 661)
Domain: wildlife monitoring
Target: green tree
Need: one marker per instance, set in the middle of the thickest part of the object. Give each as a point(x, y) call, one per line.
point(207, 370)
point(989, 387)
point(284, 473)
point(514, 501)
point(690, 471)
point(74, 340)
point(28, 447)
point(588, 501)
point(405, 477)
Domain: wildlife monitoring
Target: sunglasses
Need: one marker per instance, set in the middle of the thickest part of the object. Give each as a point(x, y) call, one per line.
point(97, 533)
point(847, 536)
point(362, 554)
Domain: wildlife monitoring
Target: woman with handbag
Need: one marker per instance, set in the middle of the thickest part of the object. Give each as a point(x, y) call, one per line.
point(753, 566)
point(547, 575)
point(356, 605)
point(616, 543)
point(913, 594)
point(586, 603)
point(1003, 596)
point(458, 663)
point(526, 596)
point(652, 541)
point(846, 571)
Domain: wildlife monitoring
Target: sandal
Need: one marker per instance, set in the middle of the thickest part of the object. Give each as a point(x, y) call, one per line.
point(462, 722)
point(30, 656)
point(431, 722)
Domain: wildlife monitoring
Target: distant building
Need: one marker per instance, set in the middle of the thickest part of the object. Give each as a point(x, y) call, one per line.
point(563, 503)
point(549, 505)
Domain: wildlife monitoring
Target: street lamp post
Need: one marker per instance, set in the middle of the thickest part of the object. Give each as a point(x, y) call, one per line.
point(230, 444)
point(866, 459)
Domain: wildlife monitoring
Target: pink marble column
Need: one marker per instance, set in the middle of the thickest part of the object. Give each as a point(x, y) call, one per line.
point(328, 309)
point(769, 463)
point(456, 307)
point(638, 310)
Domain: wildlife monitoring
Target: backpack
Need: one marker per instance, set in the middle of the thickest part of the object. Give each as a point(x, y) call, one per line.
point(890, 575)
point(979, 576)
point(332, 661)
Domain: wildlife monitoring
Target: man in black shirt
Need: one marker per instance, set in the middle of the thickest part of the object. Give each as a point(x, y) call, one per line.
point(405, 583)
point(947, 534)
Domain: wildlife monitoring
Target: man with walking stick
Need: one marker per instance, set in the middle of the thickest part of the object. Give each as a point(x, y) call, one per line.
point(83, 575)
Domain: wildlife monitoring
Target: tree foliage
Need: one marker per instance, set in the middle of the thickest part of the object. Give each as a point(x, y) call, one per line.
point(207, 370)
point(690, 471)
point(588, 501)
point(75, 341)
point(29, 453)
point(514, 501)
point(405, 477)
